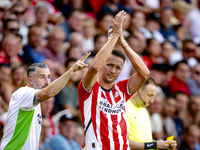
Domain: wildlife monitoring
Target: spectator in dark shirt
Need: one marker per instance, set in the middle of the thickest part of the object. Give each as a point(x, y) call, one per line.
point(32, 52)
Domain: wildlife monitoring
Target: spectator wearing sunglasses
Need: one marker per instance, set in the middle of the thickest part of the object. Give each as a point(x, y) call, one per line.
point(10, 26)
point(194, 81)
point(19, 11)
point(187, 53)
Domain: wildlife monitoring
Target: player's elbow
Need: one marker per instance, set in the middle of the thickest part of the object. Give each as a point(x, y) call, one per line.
point(145, 74)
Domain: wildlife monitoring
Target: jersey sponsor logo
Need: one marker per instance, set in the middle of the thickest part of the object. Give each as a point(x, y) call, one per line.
point(39, 119)
point(107, 108)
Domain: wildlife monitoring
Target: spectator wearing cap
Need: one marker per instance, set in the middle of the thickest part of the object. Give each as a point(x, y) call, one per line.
point(178, 81)
point(64, 139)
point(153, 27)
point(194, 81)
point(166, 26)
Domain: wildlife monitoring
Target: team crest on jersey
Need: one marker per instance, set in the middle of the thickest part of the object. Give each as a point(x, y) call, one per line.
point(116, 94)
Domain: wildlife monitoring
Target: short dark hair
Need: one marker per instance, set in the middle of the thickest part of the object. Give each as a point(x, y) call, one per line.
point(33, 68)
point(96, 37)
point(150, 80)
point(119, 54)
point(6, 21)
point(175, 66)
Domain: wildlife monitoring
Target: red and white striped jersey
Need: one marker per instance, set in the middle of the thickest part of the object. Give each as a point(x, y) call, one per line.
point(108, 130)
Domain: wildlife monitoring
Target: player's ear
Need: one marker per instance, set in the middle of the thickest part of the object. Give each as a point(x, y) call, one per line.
point(30, 81)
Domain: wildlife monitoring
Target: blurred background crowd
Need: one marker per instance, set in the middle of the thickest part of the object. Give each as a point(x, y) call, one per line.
point(165, 33)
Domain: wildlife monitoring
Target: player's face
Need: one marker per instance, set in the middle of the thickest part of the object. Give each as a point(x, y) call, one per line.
point(41, 78)
point(147, 95)
point(112, 68)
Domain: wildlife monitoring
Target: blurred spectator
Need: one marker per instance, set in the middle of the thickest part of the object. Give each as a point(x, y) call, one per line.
point(194, 81)
point(190, 138)
point(138, 20)
point(55, 40)
point(10, 50)
point(165, 3)
point(126, 24)
point(157, 72)
point(192, 115)
point(155, 117)
point(169, 126)
point(99, 41)
point(66, 7)
point(67, 98)
point(187, 53)
point(167, 51)
point(153, 27)
point(152, 53)
point(74, 23)
point(197, 51)
point(181, 105)
point(88, 32)
point(52, 49)
point(142, 40)
point(104, 22)
point(178, 81)
point(142, 5)
point(79, 135)
point(182, 102)
point(5, 6)
point(10, 26)
point(166, 26)
point(46, 109)
point(113, 6)
point(32, 52)
point(180, 9)
point(192, 22)
point(74, 52)
point(64, 139)
point(76, 38)
point(42, 17)
point(5, 73)
point(18, 77)
point(44, 137)
point(20, 11)
point(182, 35)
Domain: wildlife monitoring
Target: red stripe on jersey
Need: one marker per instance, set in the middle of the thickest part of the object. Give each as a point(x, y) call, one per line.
point(104, 133)
point(108, 97)
point(124, 132)
point(123, 88)
point(115, 132)
point(94, 105)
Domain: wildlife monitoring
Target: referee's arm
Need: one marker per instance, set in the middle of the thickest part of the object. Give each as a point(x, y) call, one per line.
point(149, 145)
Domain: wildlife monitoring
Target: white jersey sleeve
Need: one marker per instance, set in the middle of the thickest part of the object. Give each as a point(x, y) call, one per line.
point(25, 95)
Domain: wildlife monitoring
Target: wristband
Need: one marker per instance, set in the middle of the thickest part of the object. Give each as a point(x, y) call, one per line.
point(151, 145)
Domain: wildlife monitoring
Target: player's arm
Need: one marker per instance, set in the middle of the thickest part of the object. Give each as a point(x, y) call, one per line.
point(101, 57)
point(142, 72)
point(148, 145)
point(53, 88)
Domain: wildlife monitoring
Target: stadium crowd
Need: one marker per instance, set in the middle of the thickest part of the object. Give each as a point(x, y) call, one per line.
point(164, 33)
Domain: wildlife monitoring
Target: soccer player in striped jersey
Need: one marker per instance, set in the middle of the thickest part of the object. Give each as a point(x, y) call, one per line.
point(101, 101)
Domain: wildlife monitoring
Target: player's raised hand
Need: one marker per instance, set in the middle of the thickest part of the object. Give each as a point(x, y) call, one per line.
point(79, 65)
point(118, 22)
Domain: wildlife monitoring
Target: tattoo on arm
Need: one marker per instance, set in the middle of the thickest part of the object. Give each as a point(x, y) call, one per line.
point(36, 100)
